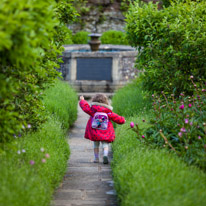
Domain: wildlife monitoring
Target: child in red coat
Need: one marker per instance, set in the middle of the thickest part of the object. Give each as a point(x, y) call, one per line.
point(105, 136)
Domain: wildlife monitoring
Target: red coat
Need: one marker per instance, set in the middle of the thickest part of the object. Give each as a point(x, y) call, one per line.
point(107, 135)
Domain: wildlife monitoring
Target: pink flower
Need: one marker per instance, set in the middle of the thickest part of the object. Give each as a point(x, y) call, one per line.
point(191, 123)
point(32, 162)
point(191, 77)
point(132, 124)
point(199, 137)
point(182, 129)
point(47, 155)
point(180, 134)
point(143, 136)
point(190, 105)
point(29, 126)
point(181, 106)
point(43, 160)
point(186, 121)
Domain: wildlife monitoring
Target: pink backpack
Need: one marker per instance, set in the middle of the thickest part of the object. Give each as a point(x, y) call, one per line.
point(100, 121)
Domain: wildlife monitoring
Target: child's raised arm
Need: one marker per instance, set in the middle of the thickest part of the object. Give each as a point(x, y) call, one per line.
point(85, 106)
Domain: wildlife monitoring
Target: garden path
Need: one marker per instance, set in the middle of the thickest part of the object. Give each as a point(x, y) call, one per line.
point(85, 183)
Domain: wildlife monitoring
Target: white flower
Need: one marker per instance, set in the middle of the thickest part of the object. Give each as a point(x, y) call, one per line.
point(23, 150)
point(42, 149)
point(18, 152)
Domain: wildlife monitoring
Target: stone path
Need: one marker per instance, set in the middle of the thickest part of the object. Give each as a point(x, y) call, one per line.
point(85, 183)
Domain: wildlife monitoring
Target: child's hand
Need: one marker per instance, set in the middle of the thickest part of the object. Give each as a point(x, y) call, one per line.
point(81, 97)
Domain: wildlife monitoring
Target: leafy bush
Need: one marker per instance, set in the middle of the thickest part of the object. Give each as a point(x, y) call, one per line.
point(173, 44)
point(64, 107)
point(34, 164)
point(131, 100)
point(145, 176)
point(81, 37)
point(68, 39)
point(180, 125)
point(114, 37)
point(31, 35)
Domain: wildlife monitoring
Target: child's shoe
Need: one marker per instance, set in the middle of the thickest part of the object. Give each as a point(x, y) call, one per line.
point(105, 160)
point(96, 160)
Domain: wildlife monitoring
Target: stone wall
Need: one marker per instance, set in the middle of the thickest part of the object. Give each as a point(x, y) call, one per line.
point(102, 15)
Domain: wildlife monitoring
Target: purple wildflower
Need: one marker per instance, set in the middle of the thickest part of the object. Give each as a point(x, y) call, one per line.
point(180, 134)
point(186, 121)
point(32, 162)
point(181, 106)
point(132, 124)
point(183, 129)
point(47, 155)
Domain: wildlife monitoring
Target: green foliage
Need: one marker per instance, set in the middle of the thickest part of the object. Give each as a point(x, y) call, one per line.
point(145, 176)
point(24, 182)
point(183, 126)
point(131, 100)
point(114, 37)
point(68, 39)
point(81, 37)
point(173, 44)
point(31, 35)
point(64, 107)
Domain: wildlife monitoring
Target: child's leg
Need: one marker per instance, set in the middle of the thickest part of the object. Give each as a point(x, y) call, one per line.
point(96, 151)
point(105, 146)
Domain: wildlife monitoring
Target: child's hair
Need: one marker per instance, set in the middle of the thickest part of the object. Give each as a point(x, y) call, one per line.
point(101, 98)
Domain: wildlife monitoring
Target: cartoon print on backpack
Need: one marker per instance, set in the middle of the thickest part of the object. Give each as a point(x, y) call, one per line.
point(100, 121)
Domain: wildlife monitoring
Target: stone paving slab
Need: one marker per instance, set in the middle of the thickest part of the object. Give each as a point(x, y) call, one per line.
point(85, 183)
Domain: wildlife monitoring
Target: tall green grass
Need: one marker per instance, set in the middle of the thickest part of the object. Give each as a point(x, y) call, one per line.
point(131, 100)
point(26, 184)
point(61, 101)
point(144, 176)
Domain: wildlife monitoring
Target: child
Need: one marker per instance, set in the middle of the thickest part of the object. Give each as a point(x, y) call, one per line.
point(106, 135)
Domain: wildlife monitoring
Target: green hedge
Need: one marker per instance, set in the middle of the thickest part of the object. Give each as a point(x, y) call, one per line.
point(131, 100)
point(25, 183)
point(146, 176)
point(114, 37)
point(62, 106)
point(80, 37)
point(31, 35)
point(173, 44)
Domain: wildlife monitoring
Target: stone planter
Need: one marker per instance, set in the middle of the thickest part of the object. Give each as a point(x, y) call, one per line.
point(94, 42)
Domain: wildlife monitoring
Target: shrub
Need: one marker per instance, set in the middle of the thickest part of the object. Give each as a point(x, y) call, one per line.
point(172, 42)
point(114, 37)
point(81, 37)
point(180, 125)
point(33, 165)
point(146, 176)
point(30, 42)
point(131, 100)
point(68, 39)
point(64, 107)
